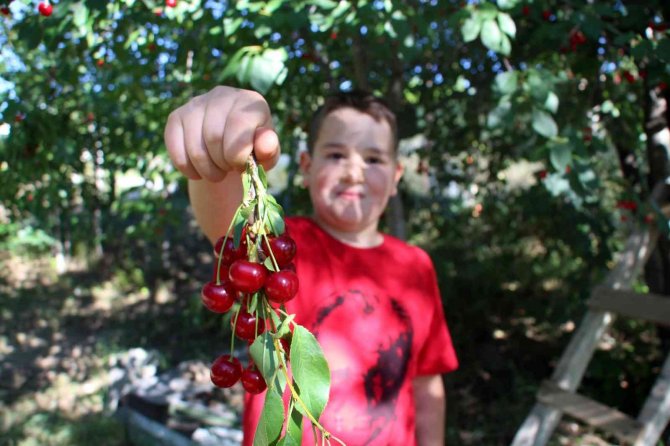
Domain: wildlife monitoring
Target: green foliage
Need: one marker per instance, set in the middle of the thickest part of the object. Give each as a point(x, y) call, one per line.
point(526, 122)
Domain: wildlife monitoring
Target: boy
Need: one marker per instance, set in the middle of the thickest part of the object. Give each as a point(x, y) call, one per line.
point(371, 299)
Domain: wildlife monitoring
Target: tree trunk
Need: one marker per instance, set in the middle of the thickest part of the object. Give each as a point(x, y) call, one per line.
point(657, 270)
point(395, 214)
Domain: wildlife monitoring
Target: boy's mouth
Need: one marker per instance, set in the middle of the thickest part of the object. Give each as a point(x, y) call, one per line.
point(350, 194)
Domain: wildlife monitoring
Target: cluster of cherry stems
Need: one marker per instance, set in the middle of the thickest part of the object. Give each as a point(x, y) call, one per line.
point(236, 279)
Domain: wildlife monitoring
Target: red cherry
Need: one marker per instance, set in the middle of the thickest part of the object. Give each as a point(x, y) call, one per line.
point(45, 9)
point(289, 267)
point(223, 272)
point(542, 174)
point(170, 3)
point(5, 10)
point(281, 286)
point(218, 298)
point(247, 277)
point(629, 77)
point(100, 62)
point(225, 371)
point(230, 253)
point(546, 15)
point(525, 10)
point(253, 381)
point(662, 85)
point(283, 248)
point(246, 327)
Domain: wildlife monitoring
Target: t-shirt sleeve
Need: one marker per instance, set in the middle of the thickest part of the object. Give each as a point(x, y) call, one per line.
point(437, 354)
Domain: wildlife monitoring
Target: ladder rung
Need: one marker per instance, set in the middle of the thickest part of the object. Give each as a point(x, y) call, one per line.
point(590, 412)
point(650, 307)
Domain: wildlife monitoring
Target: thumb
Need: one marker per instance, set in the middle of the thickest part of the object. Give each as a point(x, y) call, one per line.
point(266, 147)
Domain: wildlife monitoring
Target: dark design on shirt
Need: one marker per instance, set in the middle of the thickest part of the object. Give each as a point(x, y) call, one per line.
point(388, 354)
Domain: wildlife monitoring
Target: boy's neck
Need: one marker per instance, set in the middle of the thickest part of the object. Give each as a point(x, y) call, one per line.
point(367, 238)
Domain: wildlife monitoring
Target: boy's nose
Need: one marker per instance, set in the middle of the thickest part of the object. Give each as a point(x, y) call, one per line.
point(354, 171)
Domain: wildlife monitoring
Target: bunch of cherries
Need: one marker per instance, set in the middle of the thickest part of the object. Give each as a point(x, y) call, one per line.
point(243, 282)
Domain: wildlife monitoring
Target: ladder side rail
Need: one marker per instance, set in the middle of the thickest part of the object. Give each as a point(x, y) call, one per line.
point(655, 413)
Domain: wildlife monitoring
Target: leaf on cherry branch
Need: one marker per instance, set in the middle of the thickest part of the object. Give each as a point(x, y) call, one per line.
point(272, 419)
point(265, 357)
point(293, 435)
point(310, 370)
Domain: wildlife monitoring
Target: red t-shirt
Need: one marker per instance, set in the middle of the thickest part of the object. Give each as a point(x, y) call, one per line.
point(377, 314)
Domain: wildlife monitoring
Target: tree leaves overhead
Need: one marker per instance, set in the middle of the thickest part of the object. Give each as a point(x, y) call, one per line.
point(88, 89)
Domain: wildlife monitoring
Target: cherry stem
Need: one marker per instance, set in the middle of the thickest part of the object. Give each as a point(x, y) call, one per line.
point(272, 256)
point(223, 247)
point(232, 338)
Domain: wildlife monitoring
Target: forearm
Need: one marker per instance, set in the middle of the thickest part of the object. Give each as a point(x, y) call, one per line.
point(431, 405)
point(214, 204)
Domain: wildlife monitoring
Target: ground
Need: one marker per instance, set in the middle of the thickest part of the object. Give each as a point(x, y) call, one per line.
point(57, 333)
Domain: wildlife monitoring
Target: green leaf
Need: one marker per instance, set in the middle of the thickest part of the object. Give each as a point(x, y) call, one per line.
point(544, 124)
point(268, 264)
point(310, 370)
point(506, 24)
point(263, 352)
point(505, 45)
point(560, 156)
point(325, 4)
point(538, 86)
point(268, 69)
point(246, 185)
point(275, 217)
point(491, 35)
point(237, 65)
point(293, 435)
point(499, 115)
point(285, 326)
point(271, 421)
point(551, 104)
point(262, 176)
point(506, 82)
point(507, 4)
point(487, 11)
point(470, 29)
point(238, 227)
point(230, 26)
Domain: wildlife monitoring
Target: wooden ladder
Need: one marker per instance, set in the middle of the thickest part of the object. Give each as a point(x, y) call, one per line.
point(557, 396)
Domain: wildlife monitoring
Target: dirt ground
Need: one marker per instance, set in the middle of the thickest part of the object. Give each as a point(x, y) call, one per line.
point(58, 332)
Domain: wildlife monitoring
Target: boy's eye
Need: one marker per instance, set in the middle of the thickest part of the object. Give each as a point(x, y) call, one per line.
point(335, 156)
point(374, 160)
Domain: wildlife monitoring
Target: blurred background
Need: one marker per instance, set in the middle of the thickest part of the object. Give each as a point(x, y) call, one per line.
point(533, 132)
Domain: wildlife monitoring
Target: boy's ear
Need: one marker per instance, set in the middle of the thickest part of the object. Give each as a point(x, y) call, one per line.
point(305, 163)
point(397, 175)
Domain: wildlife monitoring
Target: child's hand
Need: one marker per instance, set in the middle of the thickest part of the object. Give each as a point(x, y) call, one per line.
point(215, 133)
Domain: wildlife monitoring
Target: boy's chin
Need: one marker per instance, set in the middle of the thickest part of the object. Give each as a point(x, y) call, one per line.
point(348, 223)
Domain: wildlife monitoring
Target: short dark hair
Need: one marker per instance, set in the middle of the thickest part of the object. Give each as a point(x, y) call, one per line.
point(361, 100)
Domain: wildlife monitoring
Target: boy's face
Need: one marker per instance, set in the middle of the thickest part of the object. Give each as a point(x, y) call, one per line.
point(352, 171)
